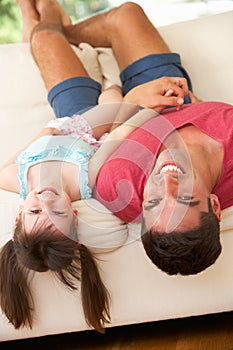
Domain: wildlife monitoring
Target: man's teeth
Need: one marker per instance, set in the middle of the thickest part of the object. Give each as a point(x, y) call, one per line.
point(171, 168)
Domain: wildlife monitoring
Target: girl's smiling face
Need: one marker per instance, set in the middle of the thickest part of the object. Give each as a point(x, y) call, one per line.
point(46, 206)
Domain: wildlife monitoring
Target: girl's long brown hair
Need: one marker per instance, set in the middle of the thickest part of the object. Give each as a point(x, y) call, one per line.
point(49, 250)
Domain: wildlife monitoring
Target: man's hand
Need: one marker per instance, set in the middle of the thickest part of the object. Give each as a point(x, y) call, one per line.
point(159, 93)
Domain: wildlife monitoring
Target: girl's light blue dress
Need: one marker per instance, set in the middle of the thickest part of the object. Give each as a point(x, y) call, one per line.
point(63, 148)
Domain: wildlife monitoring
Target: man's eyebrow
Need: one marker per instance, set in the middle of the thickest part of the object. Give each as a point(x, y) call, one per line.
point(190, 204)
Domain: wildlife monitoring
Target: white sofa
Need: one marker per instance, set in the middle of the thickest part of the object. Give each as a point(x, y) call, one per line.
point(139, 291)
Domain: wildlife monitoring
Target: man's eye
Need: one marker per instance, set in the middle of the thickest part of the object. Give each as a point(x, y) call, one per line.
point(151, 204)
point(154, 201)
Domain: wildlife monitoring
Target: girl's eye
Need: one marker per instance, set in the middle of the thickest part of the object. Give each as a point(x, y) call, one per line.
point(35, 211)
point(57, 212)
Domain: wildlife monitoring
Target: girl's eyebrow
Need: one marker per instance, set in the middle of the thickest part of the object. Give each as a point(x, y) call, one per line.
point(37, 218)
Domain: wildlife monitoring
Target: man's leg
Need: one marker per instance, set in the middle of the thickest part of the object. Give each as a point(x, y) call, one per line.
point(140, 51)
point(70, 88)
point(52, 52)
point(126, 29)
point(30, 18)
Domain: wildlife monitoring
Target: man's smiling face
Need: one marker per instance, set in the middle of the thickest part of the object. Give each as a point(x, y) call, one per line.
point(174, 194)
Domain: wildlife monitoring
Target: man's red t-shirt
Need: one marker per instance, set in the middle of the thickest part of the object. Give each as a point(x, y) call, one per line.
point(121, 180)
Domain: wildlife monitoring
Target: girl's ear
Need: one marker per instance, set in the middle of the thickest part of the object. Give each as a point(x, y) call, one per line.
point(75, 211)
point(19, 214)
point(215, 205)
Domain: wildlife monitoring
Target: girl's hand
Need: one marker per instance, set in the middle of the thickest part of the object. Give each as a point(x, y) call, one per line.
point(48, 131)
point(159, 93)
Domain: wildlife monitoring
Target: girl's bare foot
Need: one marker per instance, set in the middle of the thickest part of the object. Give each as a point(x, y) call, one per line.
point(47, 8)
point(30, 17)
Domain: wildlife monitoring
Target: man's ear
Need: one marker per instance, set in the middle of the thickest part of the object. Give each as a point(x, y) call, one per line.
point(215, 205)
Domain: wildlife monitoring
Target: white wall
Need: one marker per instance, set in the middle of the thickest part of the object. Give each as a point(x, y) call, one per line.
point(163, 12)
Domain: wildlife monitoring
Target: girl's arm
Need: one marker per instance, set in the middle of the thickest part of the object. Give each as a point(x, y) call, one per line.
point(9, 170)
point(114, 139)
point(43, 132)
point(113, 94)
point(166, 92)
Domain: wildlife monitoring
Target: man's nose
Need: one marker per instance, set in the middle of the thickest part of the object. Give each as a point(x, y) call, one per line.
point(171, 183)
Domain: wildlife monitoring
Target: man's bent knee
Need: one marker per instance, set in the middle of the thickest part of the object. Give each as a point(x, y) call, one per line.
point(43, 36)
point(118, 17)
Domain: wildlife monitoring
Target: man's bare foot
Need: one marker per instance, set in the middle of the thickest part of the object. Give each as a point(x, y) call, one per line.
point(30, 17)
point(52, 7)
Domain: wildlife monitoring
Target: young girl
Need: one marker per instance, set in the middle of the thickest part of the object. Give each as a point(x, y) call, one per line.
point(60, 166)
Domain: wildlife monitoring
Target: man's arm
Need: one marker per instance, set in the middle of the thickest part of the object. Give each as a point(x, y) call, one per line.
point(153, 94)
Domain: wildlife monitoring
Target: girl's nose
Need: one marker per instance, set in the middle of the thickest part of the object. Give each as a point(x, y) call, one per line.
point(47, 196)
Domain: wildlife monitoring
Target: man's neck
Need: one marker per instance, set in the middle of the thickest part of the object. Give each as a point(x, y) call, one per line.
point(206, 154)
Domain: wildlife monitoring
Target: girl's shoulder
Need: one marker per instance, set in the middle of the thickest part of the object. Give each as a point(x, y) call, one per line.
point(8, 178)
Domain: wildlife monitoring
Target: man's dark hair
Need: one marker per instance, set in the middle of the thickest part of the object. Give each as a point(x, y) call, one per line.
point(187, 252)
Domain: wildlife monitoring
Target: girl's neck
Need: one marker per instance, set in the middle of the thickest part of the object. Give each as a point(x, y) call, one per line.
point(62, 176)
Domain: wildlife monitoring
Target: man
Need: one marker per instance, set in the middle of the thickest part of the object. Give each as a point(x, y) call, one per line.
point(188, 187)
point(183, 178)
